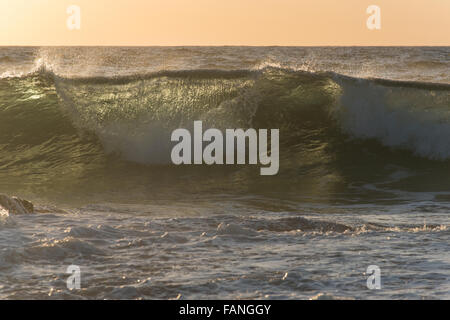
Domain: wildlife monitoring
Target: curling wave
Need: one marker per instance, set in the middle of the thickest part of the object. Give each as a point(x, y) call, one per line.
point(51, 123)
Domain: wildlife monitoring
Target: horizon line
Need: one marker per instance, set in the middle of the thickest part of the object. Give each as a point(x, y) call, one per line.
point(222, 45)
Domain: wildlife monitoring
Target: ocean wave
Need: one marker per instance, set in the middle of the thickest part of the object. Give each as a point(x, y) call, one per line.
point(55, 249)
point(51, 123)
point(252, 228)
point(134, 114)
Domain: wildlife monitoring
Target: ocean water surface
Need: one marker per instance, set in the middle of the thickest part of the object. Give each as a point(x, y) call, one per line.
point(364, 173)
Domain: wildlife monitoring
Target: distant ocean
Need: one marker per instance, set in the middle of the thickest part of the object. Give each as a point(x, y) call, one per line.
point(364, 173)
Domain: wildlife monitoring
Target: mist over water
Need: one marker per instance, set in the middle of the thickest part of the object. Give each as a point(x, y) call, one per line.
point(363, 180)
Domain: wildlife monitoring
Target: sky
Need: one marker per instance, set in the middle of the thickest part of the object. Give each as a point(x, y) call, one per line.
point(224, 22)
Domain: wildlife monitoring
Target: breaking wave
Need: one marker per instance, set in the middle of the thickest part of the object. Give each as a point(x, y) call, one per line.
point(51, 123)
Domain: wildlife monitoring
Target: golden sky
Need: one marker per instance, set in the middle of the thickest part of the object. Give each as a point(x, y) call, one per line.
point(225, 22)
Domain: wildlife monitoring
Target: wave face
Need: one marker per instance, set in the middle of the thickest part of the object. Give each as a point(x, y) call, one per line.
point(91, 134)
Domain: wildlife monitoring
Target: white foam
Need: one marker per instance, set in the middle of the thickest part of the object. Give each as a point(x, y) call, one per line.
point(410, 118)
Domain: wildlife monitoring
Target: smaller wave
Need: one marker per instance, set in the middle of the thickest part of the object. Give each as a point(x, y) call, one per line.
point(14, 205)
point(60, 249)
point(404, 228)
point(302, 224)
point(100, 232)
point(235, 230)
point(252, 228)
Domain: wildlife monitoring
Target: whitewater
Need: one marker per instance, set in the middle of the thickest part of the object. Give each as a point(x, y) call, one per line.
point(364, 173)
